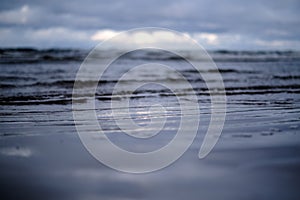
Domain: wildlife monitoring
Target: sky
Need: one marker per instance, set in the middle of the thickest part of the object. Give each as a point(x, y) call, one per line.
point(230, 24)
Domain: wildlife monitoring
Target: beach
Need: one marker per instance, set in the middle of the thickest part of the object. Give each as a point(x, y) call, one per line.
point(256, 156)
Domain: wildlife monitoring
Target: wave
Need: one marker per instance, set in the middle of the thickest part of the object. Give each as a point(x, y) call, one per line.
point(31, 55)
point(63, 97)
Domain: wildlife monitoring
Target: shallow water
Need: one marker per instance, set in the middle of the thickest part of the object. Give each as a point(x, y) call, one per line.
point(257, 155)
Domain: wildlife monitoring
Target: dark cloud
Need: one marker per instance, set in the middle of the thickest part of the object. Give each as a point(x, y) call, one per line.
point(272, 22)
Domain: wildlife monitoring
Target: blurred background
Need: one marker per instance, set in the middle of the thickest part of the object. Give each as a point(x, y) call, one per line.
point(232, 24)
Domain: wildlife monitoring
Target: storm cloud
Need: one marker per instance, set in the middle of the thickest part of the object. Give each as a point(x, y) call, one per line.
point(215, 24)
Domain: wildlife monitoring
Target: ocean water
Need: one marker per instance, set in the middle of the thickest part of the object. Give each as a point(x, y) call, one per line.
point(256, 157)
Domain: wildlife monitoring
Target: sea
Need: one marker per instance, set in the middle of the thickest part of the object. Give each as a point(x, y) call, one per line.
point(257, 155)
